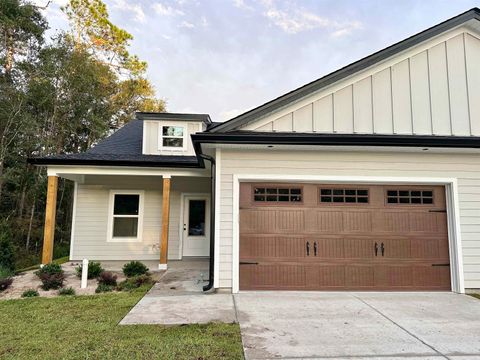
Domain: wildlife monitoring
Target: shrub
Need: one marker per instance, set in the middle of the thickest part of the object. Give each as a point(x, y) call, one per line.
point(134, 268)
point(5, 278)
point(7, 255)
point(66, 291)
point(30, 293)
point(134, 282)
point(103, 288)
point(94, 270)
point(107, 278)
point(51, 275)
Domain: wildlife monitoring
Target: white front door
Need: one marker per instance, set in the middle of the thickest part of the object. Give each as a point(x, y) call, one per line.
point(196, 225)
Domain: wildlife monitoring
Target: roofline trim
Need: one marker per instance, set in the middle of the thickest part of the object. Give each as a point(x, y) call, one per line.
point(205, 118)
point(346, 71)
point(335, 140)
point(177, 164)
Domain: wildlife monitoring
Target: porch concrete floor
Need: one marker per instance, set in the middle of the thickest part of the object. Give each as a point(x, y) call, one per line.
point(177, 298)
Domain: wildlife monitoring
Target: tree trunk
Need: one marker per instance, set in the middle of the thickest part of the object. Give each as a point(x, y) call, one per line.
point(21, 204)
point(9, 57)
point(32, 211)
point(1, 179)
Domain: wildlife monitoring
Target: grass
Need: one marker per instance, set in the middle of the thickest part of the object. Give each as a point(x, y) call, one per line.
point(475, 296)
point(58, 261)
point(86, 327)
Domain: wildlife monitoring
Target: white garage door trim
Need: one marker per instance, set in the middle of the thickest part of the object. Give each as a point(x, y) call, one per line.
point(453, 213)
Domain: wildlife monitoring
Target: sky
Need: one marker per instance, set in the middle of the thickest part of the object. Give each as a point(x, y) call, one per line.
point(224, 57)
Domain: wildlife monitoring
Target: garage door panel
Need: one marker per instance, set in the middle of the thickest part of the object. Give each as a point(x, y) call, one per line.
point(326, 277)
point(272, 247)
point(322, 237)
point(359, 248)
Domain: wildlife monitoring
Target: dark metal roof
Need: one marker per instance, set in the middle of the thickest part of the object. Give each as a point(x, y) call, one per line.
point(344, 72)
point(278, 138)
point(122, 148)
point(205, 118)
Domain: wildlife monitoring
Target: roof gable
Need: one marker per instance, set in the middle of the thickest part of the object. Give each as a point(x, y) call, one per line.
point(470, 19)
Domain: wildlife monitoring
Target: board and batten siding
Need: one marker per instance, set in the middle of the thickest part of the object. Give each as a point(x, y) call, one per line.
point(432, 90)
point(91, 221)
point(464, 167)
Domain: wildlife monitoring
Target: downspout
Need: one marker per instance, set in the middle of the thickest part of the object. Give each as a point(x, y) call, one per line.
point(209, 286)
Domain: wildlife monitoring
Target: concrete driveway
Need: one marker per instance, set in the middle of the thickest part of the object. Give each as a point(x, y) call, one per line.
point(359, 325)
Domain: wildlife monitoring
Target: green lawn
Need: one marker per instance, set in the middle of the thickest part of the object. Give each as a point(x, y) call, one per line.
point(475, 296)
point(86, 327)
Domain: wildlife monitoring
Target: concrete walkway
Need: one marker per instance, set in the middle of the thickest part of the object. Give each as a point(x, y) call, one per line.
point(177, 299)
point(370, 326)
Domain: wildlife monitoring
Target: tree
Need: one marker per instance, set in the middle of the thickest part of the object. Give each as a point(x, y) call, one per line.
point(92, 30)
point(21, 30)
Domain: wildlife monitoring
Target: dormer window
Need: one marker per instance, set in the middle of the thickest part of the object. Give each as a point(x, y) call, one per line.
point(172, 137)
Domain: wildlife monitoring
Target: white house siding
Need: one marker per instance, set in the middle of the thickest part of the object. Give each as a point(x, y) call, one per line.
point(464, 167)
point(431, 89)
point(151, 136)
point(90, 229)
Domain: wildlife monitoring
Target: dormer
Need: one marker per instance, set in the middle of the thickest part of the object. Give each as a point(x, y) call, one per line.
point(169, 133)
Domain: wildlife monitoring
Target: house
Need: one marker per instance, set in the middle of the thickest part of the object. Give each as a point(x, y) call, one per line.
point(365, 179)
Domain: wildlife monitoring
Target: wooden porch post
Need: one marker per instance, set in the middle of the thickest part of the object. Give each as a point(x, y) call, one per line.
point(50, 211)
point(165, 223)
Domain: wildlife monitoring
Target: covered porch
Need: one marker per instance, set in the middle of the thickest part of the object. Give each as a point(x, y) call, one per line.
point(151, 215)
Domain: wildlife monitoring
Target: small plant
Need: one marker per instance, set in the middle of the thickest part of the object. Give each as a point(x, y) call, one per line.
point(94, 270)
point(101, 288)
point(66, 291)
point(134, 282)
point(51, 275)
point(107, 278)
point(30, 293)
point(134, 268)
point(5, 278)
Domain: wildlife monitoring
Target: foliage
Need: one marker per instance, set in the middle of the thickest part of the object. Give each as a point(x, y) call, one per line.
point(107, 278)
point(88, 329)
point(134, 268)
point(51, 275)
point(135, 282)
point(5, 278)
point(7, 256)
point(101, 288)
point(94, 270)
point(66, 291)
point(30, 293)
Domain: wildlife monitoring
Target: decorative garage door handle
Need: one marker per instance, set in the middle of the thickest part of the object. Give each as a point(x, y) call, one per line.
point(308, 248)
point(376, 249)
point(315, 248)
point(382, 248)
point(248, 263)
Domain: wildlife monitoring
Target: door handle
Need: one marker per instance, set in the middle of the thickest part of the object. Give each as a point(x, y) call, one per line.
point(376, 249)
point(308, 248)
point(382, 249)
point(315, 248)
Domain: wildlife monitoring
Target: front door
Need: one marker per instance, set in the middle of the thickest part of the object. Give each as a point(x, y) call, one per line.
point(196, 227)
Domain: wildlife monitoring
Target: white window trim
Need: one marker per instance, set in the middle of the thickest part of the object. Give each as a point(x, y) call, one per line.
point(139, 237)
point(172, 148)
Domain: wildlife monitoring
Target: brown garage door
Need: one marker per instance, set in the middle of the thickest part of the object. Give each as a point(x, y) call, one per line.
point(343, 237)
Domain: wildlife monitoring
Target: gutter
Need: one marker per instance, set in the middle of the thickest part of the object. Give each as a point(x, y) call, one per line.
point(211, 266)
point(335, 140)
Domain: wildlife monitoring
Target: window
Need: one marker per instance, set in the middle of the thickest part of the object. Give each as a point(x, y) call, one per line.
point(353, 196)
point(196, 217)
point(172, 137)
point(410, 197)
point(271, 194)
point(125, 219)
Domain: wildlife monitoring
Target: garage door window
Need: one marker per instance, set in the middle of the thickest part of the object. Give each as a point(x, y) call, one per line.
point(355, 196)
point(274, 194)
point(410, 197)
